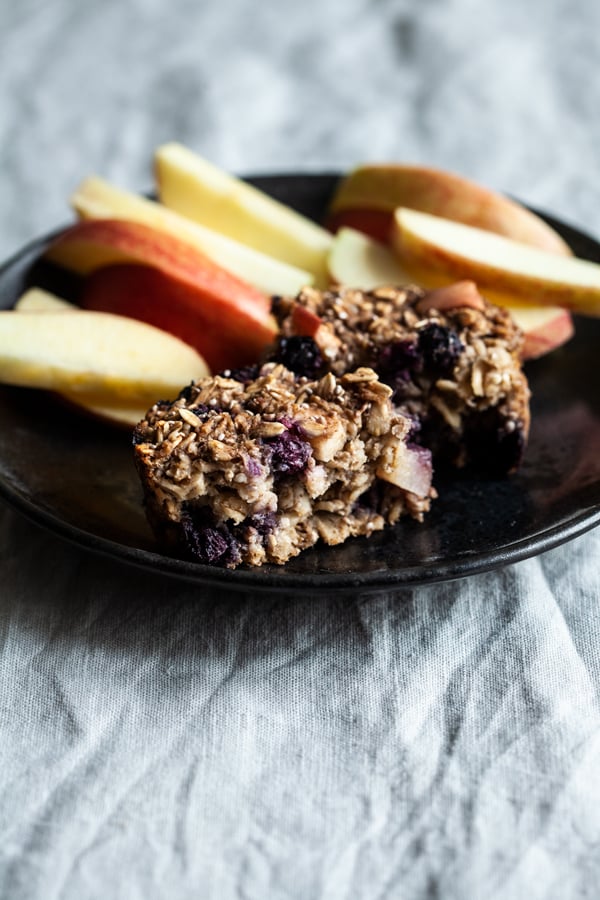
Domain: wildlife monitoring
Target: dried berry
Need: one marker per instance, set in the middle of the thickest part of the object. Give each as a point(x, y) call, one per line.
point(300, 354)
point(206, 541)
point(440, 346)
point(202, 410)
point(416, 426)
point(139, 435)
point(276, 301)
point(245, 374)
point(290, 451)
point(188, 392)
point(398, 360)
point(264, 523)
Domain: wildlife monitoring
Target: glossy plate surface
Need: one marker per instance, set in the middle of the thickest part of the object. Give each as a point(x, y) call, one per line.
point(76, 476)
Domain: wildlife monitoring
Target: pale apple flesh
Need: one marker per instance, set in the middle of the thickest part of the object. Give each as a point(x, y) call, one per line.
point(100, 358)
point(198, 190)
point(98, 199)
point(407, 467)
point(38, 300)
point(367, 198)
point(361, 262)
point(436, 251)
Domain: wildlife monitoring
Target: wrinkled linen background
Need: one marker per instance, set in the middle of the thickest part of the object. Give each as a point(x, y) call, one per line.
point(161, 741)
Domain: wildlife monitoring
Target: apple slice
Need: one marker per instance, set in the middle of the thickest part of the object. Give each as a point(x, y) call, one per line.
point(358, 260)
point(39, 300)
point(361, 262)
point(222, 333)
point(97, 199)
point(544, 328)
point(172, 285)
point(96, 357)
point(195, 188)
point(437, 251)
point(367, 197)
point(408, 467)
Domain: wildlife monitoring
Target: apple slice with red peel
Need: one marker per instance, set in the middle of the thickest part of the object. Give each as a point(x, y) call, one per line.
point(170, 284)
point(437, 251)
point(90, 245)
point(368, 196)
point(545, 328)
point(359, 261)
point(304, 321)
point(223, 334)
point(452, 296)
point(95, 357)
point(98, 199)
point(202, 192)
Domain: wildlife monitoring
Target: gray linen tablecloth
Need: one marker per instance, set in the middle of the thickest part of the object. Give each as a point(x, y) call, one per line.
point(160, 741)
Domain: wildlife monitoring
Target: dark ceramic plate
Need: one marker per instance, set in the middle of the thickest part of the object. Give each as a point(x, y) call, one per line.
point(76, 476)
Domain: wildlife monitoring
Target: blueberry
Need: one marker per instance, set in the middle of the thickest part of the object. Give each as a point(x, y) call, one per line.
point(187, 392)
point(245, 374)
point(207, 541)
point(415, 428)
point(440, 346)
point(202, 410)
point(139, 436)
point(396, 365)
point(299, 354)
point(264, 523)
point(290, 451)
point(398, 360)
point(253, 468)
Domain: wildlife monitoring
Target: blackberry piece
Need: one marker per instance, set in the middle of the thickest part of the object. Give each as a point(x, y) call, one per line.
point(202, 410)
point(440, 347)
point(398, 362)
point(399, 359)
point(289, 451)
point(244, 375)
point(206, 541)
point(265, 523)
point(187, 393)
point(300, 355)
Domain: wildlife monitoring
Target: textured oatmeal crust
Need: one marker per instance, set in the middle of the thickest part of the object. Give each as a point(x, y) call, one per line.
point(457, 371)
point(255, 466)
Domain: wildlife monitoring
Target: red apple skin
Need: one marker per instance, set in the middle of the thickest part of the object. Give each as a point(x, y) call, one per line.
point(548, 337)
point(375, 223)
point(366, 198)
point(223, 333)
point(96, 243)
point(452, 296)
point(159, 279)
point(304, 321)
